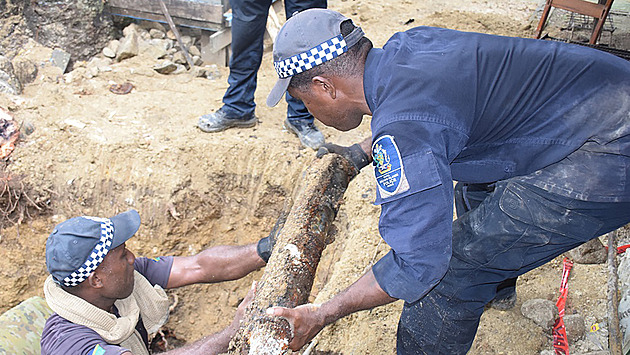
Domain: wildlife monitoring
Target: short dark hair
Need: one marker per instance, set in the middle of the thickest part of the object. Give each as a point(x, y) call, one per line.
point(346, 65)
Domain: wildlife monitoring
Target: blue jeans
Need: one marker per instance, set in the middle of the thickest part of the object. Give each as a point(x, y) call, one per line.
point(248, 29)
point(514, 229)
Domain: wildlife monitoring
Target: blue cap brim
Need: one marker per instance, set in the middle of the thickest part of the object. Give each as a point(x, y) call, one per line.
point(278, 91)
point(126, 224)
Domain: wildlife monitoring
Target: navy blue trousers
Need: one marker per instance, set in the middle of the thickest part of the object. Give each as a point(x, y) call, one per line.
point(248, 29)
point(514, 229)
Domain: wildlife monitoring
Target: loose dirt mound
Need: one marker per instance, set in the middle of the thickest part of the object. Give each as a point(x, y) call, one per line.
point(97, 153)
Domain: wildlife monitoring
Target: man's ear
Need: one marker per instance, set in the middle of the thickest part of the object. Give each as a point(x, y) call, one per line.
point(94, 280)
point(325, 86)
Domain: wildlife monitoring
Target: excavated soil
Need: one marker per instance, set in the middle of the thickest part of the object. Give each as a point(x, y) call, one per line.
point(93, 152)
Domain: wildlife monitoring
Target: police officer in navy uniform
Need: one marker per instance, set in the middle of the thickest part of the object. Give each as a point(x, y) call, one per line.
point(546, 123)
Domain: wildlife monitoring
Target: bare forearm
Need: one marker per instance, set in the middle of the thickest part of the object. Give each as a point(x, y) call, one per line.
point(230, 262)
point(364, 294)
point(216, 343)
point(216, 264)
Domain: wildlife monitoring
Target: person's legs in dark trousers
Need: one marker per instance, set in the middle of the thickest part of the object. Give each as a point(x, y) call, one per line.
point(517, 228)
point(249, 21)
point(299, 120)
point(467, 198)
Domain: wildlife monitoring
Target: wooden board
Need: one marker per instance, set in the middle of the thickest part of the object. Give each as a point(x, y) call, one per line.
point(205, 14)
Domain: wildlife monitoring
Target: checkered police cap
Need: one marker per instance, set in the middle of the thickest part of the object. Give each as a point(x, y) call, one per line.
point(308, 39)
point(79, 245)
point(96, 256)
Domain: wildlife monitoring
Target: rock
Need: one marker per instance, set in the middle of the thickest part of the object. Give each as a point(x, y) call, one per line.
point(25, 70)
point(108, 52)
point(542, 312)
point(591, 252)
point(170, 35)
point(575, 326)
point(152, 51)
point(80, 28)
point(114, 44)
point(179, 58)
point(213, 72)
point(132, 28)
point(9, 83)
point(194, 51)
point(144, 35)
point(60, 59)
point(180, 69)
point(165, 67)
point(27, 128)
point(188, 41)
point(197, 60)
point(111, 48)
point(164, 44)
point(155, 33)
point(97, 65)
point(200, 72)
point(128, 46)
point(149, 25)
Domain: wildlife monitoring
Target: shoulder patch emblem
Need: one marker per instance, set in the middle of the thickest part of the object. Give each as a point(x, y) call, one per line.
point(97, 350)
point(156, 259)
point(388, 167)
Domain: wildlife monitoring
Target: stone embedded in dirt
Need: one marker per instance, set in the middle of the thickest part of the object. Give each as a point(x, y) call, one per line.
point(591, 252)
point(165, 67)
point(128, 46)
point(197, 60)
point(60, 59)
point(131, 28)
point(98, 65)
point(108, 52)
point(542, 312)
point(9, 83)
point(157, 34)
point(188, 41)
point(152, 51)
point(170, 35)
point(25, 70)
point(181, 68)
point(150, 25)
point(194, 51)
point(179, 58)
point(164, 44)
point(575, 326)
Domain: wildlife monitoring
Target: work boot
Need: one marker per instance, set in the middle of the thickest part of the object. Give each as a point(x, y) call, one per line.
point(219, 121)
point(309, 135)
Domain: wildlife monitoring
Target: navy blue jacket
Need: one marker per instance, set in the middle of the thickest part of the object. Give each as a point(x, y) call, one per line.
point(471, 107)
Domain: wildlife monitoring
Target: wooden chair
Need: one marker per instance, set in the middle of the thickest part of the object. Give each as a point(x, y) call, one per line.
point(598, 10)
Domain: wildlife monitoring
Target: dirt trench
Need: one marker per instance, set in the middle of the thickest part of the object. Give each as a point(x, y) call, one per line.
point(97, 153)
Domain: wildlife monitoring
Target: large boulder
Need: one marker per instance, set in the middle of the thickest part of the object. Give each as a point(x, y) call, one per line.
point(78, 27)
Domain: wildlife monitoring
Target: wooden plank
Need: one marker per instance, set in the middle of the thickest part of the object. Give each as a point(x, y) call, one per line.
point(580, 6)
point(215, 46)
point(159, 17)
point(204, 11)
point(289, 275)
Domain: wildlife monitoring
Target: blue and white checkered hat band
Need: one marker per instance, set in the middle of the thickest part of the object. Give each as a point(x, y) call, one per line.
point(317, 55)
point(96, 256)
